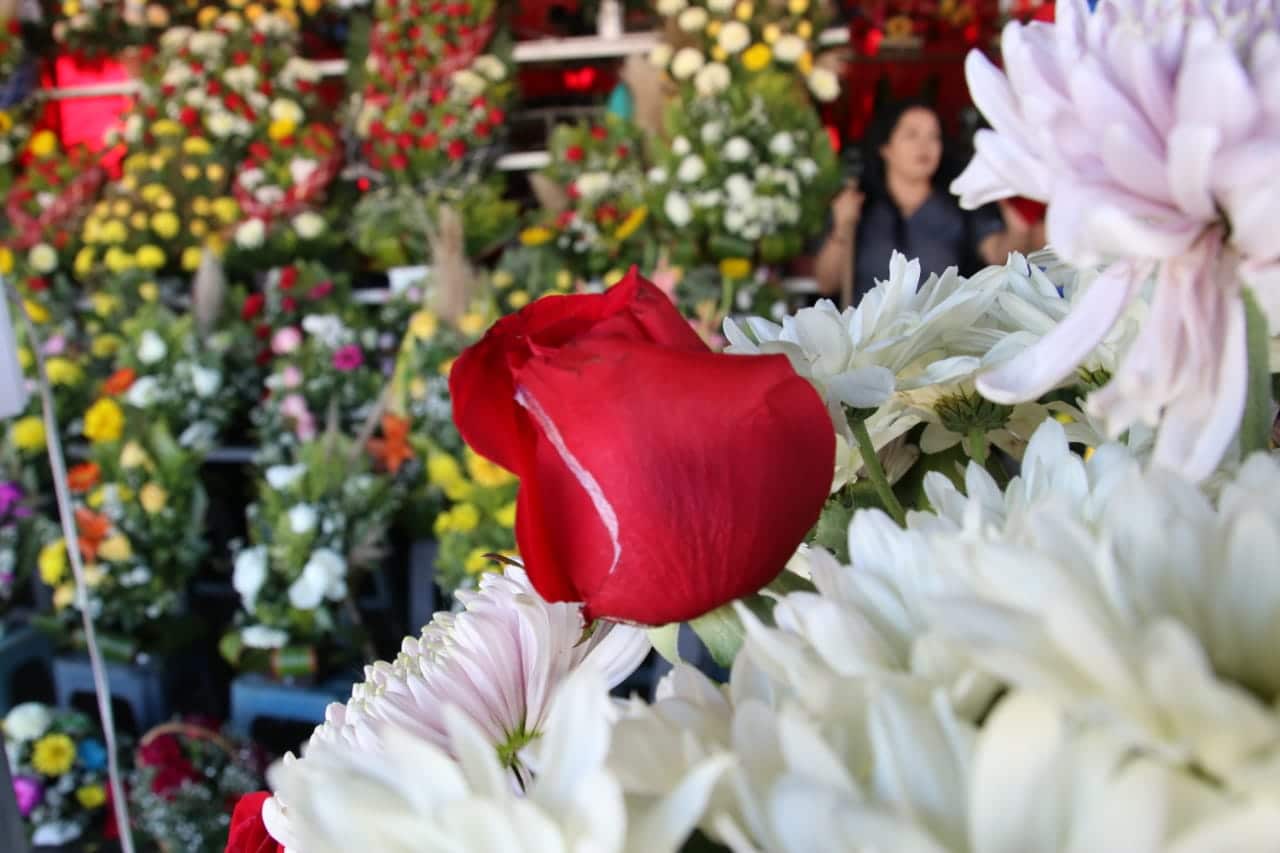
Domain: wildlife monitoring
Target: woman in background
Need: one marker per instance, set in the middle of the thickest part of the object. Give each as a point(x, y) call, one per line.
point(907, 207)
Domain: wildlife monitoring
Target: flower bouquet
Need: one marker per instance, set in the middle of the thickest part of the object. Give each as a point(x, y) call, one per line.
point(187, 777)
point(92, 29)
point(171, 203)
point(317, 524)
point(140, 518)
point(280, 189)
point(45, 204)
point(59, 769)
point(415, 45)
point(712, 45)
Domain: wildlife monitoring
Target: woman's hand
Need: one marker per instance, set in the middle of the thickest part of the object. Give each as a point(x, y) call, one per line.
point(846, 210)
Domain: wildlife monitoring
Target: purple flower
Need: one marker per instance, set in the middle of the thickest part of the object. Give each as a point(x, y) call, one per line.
point(28, 792)
point(348, 358)
point(11, 496)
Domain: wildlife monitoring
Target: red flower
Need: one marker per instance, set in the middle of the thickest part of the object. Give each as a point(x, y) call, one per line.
point(449, 120)
point(37, 284)
point(573, 190)
point(438, 95)
point(428, 141)
point(496, 116)
point(565, 218)
point(189, 116)
point(288, 277)
point(119, 382)
point(252, 307)
point(398, 162)
point(248, 832)
point(574, 154)
point(658, 480)
point(418, 119)
point(321, 290)
point(457, 149)
point(623, 152)
point(289, 304)
point(262, 331)
point(260, 151)
point(599, 134)
point(482, 130)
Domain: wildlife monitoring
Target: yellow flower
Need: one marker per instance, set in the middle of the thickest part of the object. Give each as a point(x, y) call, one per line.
point(476, 561)
point(805, 63)
point(121, 208)
point(207, 16)
point(153, 498)
point(94, 575)
point(198, 228)
point(719, 54)
point(464, 518)
point(64, 595)
point(165, 224)
point(6, 257)
point(25, 358)
point(564, 280)
point(200, 206)
point(133, 456)
point(27, 434)
point(129, 183)
point(191, 258)
point(797, 7)
point(312, 7)
point(115, 548)
point(63, 371)
point(157, 161)
point(196, 145)
point(756, 57)
point(517, 299)
point(191, 172)
point(472, 323)
point(503, 279)
point(149, 291)
point(37, 312)
point(151, 192)
point(506, 516)
point(536, 235)
point(105, 346)
point(150, 257)
point(166, 127)
point(772, 32)
point(281, 128)
point(215, 172)
point(804, 29)
point(443, 469)
point(423, 325)
point(104, 421)
point(446, 366)
point(44, 143)
point(632, 223)
point(6, 121)
point(442, 524)
point(713, 28)
point(53, 754)
point(165, 201)
point(91, 796)
point(52, 562)
point(1064, 418)
point(226, 209)
point(486, 473)
point(735, 268)
point(96, 498)
point(83, 264)
point(744, 11)
point(418, 388)
point(253, 12)
point(612, 277)
point(104, 304)
point(118, 260)
point(113, 231)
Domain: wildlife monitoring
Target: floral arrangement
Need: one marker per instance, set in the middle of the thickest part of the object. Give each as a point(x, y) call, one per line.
point(528, 271)
point(317, 524)
point(420, 382)
point(14, 131)
point(12, 49)
point(91, 29)
point(393, 225)
point(15, 510)
point(59, 767)
point(413, 45)
point(188, 774)
point(713, 43)
point(478, 529)
point(45, 203)
point(170, 204)
point(139, 510)
point(281, 188)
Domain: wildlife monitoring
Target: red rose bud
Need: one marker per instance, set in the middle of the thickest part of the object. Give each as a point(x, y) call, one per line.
point(457, 149)
point(404, 140)
point(37, 284)
point(574, 154)
point(418, 119)
point(377, 129)
point(289, 304)
point(428, 141)
point(248, 833)
point(168, 89)
point(482, 130)
point(213, 87)
point(259, 39)
point(190, 117)
point(398, 161)
point(265, 88)
point(260, 151)
point(262, 331)
point(565, 219)
point(623, 152)
point(288, 277)
point(573, 191)
point(658, 480)
point(252, 307)
point(449, 120)
point(240, 57)
point(599, 134)
point(438, 95)
point(321, 290)
point(606, 214)
point(415, 32)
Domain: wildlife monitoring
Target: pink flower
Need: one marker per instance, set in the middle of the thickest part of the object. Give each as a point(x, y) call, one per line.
point(55, 345)
point(321, 290)
point(294, 407)
point(291, 377)
point(348, 358)
point(286, 340)
point(1152, 130)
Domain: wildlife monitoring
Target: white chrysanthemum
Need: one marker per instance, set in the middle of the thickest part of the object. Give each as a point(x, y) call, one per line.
point(712, 79)
point(686, 63)
point(734, 37)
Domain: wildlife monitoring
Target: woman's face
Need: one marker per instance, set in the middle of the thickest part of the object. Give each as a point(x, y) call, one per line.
point(914, 148)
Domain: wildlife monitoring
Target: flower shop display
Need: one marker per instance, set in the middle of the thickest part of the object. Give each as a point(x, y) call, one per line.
point(319, 522)
point(53, 192)
point(59, 768)
point(476, 531)
point(415, 45)
point(92, 30)
point(188, 775)
point(712, 45)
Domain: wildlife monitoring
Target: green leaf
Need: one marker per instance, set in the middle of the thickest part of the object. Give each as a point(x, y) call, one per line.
point(1255, 428)
point(832, 530)
point(666, 641)
point(722, 632)
point(230, 647)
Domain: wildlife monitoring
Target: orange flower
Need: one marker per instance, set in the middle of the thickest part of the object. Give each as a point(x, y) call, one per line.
point(392, 450)
point(119, 382)
point(93, 529)
point(84, 477)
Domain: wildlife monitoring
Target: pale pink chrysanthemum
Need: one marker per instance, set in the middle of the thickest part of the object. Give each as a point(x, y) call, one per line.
point(498, 661)
point(1152, 130)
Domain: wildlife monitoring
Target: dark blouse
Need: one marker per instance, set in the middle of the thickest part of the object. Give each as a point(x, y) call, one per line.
point(940, 234)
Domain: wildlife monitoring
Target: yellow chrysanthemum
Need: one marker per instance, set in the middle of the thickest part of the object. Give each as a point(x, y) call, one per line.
point(200, 206)
point(105, 346)
point(150, 257)
point(206, 16)
point(506, 516)
point(63, 371)
point(165, 201)
point(166, 127)
point(464, 518)
point(113, 231)
point(735, 268)
point(423, 325)
point(165, 224)
point(37, 312)
point(198, 228)
point(196, 145)
point(52, 562)
point(797, 7)
point(191, 172)
point(517, 299)
point(27, 434)
point(191, 258)
point(771, 33)
point(115, 548)
point(91, 796)
point(805, 63)
point(53, 754)
point(536, 235)
point(804, 29)
point(632, 223)
point(151, 192)
point(719, 54)
point(226, 210)
point(104, 304)
point(63, 596)
point(104, 421)
point(6, 260)
point(43, 144)
point(486, 473)
point(503, 279)
point(6, 121)
point(476, 562)
point(281, 128)
point(744, 11)
point(129, 183)
point(215, 172)
point(472, 323)
point(138, 220)
point(254, 11)
point(118, 260)
point(757, 57)
point(134, 456)
point(153, 498)
point(149, 291)
point(120, 208)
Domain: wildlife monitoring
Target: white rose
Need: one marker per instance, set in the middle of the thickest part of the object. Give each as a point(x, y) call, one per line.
point(302, 168)
point(751, 231)
point(788, 49)
point(221, 124)
point(680, 146)
point(739, 188)
point(734, 220)
point(692, 20)
point(195, 98)
point(327, 328)
point(592, 185)
point(712, 132)
point(667, 8)
point(151, 347)
point(281, 477)
point(467, 84)
point(143, 393)
point(712, 79)
point(308, 590)
point(262, 637)
point(807, 168)
point(782, 144)
point(298, 69)
point(133, 127)
point(734, 37)
point(687, 62)
point(692, 169)
point(43, 258)
point(284, 109)
point(677, 209)
point(334, 568)
point(251, 234)
point(708, 198)
point(824, 84)
point(658, 175)
point(27, 721)
point(302, 519)
point(490, 66)
point(660, 56)
point(206, 381)
point(308, 224)
point(738, 150)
